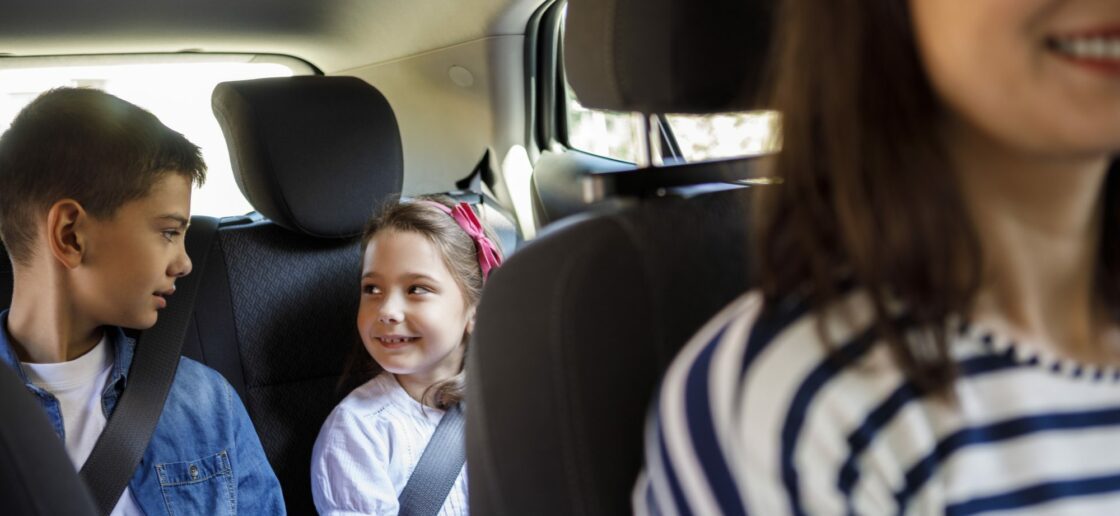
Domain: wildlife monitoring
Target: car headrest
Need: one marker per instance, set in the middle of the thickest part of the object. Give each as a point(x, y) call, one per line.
point(314, 154)
point(667, 56)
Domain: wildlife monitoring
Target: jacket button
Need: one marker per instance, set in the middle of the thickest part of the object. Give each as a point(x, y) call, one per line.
point(194, 471)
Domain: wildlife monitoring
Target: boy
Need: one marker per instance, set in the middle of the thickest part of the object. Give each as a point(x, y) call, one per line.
point(94, 202)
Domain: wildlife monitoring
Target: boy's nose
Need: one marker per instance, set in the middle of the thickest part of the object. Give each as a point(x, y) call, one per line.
point(181, 267)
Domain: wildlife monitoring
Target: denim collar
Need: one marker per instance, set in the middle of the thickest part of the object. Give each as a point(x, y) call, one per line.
point(123, 348)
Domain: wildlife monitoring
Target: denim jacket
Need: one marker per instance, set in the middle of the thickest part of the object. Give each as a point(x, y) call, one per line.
point(204, 457)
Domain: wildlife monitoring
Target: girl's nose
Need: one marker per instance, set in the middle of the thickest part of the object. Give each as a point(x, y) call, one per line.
point(389, 318)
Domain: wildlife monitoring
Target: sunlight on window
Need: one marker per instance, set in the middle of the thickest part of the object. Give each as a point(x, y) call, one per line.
point(726, 135)
point(700, 137)
point(612, 134)
point(174, 88)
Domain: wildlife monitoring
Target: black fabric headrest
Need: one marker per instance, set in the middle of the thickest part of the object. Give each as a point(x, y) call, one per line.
point(667, 56)
point(314, 154)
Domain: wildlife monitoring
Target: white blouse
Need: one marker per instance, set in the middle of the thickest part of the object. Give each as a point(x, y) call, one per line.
point(367, 449)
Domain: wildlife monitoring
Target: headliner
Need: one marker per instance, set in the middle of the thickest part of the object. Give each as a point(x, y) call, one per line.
point(333, 35)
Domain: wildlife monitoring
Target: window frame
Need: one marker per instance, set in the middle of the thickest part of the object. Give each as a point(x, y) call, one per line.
point(548, 88)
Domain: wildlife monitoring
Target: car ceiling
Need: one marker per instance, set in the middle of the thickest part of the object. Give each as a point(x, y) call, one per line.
point(333, 35)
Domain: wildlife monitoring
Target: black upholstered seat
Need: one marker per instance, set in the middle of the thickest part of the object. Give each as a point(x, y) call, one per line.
point(275, 312)
point(574, 331)
point(36, 476)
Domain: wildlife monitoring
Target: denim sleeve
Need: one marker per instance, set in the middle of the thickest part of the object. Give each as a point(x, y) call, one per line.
point(258, 490)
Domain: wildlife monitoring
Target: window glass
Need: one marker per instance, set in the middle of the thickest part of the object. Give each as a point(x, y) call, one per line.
point(175, 88)
point(607, 133)
point(728, 135)
point(700, 137)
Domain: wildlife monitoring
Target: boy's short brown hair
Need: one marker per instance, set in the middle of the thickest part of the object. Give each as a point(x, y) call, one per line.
point(87, 145)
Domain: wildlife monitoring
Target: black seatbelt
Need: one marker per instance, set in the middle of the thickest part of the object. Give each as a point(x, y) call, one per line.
point(481, 182)
point(122, 443)
point(480, 174)
point(439, 466)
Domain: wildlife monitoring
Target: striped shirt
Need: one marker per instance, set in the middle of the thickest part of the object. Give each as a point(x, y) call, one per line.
point(368, 448)
point(758, 415)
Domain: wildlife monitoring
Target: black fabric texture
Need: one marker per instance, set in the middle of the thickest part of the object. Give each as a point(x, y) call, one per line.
point(572, 338)
point(314, 154)
point(212, 338)
point(294, 301)
point(667, 56)
point(36, 475)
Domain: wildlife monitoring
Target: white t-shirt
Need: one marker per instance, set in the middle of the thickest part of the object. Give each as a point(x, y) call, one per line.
point(367, 449)
point(78, 385)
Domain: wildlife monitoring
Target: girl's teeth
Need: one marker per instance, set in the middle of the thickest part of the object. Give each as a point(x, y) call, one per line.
point(395, 341)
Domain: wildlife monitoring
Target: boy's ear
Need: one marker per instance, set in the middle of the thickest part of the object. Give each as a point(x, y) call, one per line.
point(65, 232)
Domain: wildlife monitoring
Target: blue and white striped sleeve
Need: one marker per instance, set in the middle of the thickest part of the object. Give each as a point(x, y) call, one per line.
point(688, 441)
point(712, 447)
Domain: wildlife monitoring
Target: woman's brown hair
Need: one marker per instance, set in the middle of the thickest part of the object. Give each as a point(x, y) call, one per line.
point(868, 196)
point(460, 256)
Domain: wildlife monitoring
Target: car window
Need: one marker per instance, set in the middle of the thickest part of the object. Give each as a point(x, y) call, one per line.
point(611, 134)
point(176, 88)
point(722, 136)
point(618, 135)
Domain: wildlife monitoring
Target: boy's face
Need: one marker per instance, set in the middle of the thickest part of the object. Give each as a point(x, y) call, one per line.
point(131, 260)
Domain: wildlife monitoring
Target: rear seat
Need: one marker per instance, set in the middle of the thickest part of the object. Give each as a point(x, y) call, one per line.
point(275, 310)
point(316, 156)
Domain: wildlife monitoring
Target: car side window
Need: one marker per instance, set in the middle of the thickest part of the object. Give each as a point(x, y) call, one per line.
point(611, 134)
point(619, 135)
point(724, 136)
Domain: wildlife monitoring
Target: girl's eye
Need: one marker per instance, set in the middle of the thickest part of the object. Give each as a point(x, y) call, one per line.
point(370, 289)
point(419, 289)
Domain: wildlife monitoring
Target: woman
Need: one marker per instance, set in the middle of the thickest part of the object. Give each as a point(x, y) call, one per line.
point(937, 326)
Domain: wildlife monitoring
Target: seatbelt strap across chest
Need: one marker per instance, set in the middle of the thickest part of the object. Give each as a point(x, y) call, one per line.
point(439, 466)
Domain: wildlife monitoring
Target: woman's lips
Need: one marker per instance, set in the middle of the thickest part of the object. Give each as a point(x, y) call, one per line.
point(1097, 50)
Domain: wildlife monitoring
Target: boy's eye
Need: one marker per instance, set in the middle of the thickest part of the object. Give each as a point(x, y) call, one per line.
point(170, 234)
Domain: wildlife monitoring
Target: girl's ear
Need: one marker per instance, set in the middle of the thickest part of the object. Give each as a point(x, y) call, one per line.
point(470, 320)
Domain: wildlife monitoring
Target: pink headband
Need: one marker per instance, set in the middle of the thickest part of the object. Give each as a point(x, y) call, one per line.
point(488, 256)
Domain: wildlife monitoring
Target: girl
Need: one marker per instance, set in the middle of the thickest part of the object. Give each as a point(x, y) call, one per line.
point(937, 325)
point(424, 264)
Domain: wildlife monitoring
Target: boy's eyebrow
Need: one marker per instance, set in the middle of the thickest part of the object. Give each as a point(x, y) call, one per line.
point(183, 221)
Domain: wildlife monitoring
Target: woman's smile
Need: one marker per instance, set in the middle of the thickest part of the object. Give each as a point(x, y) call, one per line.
point(1094, 49)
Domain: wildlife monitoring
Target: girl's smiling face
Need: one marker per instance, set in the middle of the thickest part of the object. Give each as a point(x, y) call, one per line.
point(413, 316)
point(1037, 76)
